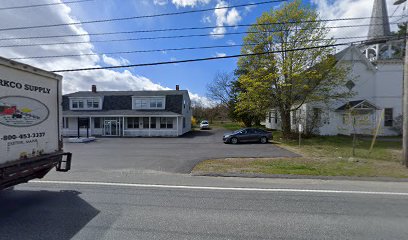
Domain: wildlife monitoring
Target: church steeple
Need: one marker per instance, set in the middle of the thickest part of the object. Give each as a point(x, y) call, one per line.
point(379, 24)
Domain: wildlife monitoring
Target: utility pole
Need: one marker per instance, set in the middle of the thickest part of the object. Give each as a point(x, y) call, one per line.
point(405, 99)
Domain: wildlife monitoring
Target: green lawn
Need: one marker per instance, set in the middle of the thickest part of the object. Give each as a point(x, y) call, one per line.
point(321, 156)
point(231, 126)
point(341, 147)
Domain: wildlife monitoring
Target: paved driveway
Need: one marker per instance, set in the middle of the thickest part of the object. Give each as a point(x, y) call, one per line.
point(174, 155)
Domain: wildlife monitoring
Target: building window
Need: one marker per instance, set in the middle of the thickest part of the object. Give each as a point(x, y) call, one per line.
point(388, 117)
point(166, 122)
point(77, 104)
point(184, 122)
point(145, 122)
point(132, 122)
point(326, 118)
point(65, 122)
point(92, 103)
point(156, 103)
point(346, 118)
point(85, 104)
point(152, 122)
point(141, 104)
point(148, 103)
point(317, 115)
point(74, 104)
point(97, 122)
point(89, 103)
point(294, 118)
point(276, 117)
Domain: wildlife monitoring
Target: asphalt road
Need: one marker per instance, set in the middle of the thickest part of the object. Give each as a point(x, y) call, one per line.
point(41, 211)
point(131, 189)
point(173, 155)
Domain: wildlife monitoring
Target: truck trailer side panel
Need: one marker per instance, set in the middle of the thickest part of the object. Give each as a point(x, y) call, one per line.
point(30, 118)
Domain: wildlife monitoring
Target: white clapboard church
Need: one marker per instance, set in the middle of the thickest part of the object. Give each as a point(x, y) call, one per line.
point(376, 76)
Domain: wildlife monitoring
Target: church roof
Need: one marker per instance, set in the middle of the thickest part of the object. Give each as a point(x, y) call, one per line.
point(358, 104)
point(352, 53)
point(379, 24)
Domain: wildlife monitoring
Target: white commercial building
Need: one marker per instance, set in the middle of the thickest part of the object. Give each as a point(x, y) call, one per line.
point(164, 113)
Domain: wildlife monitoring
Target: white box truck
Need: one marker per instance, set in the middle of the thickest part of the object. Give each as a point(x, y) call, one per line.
point(30, 123)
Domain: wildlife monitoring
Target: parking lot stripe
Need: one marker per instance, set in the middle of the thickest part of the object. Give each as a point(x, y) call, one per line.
point(137, 185)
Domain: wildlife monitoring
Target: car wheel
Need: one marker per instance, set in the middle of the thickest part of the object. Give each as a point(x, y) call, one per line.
point(264, 140)
point(234, 140)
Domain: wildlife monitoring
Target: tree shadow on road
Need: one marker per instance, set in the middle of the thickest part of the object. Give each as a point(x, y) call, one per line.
point(43, 214)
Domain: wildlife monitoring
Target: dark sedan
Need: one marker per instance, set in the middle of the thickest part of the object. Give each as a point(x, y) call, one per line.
point(247, 135)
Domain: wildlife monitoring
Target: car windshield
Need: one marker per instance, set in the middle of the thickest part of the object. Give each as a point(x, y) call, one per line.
point(204, 122)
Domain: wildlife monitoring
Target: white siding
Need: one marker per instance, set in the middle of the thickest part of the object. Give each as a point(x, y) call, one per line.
point(187, 113)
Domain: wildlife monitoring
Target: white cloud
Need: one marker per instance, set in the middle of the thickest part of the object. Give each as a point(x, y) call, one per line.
point(220, 54)
point(160, 2)
point(231, 42)
point(114, 61)
point(206, 19)
point(350, 9)
point(233, 17)
point(197, 100)
point(224, 17)
point(189, 3)
point(248, 9)
point(73, 81)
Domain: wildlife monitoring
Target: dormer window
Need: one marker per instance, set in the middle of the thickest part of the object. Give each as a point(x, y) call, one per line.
point(85, 104)
point(149, 102)
point(92, 103)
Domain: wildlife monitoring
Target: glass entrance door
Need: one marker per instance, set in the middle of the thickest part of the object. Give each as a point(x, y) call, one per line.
point(111, 128)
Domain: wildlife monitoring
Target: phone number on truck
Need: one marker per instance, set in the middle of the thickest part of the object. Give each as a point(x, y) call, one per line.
point(23, 136)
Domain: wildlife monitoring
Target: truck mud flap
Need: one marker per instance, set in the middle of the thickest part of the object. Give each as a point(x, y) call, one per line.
point(65, 164)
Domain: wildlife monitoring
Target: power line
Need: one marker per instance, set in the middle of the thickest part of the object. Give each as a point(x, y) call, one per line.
point(143, 16)
point(160, 50)
point(44, 4)
point(138, 39)
point(380, 40)
point(156, 50)
point(198, 59)
point(178, 29)
point(133, 51)
point(396, 9)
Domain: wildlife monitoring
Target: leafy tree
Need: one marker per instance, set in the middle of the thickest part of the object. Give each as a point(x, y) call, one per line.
point(283, 78)
point(225, 90)
point(402, 30)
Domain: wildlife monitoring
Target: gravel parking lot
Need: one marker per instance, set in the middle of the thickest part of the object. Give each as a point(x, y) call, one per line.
point(174, 155)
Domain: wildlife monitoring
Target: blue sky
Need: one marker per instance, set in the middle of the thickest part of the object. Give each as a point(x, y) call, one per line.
point(191, 76)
